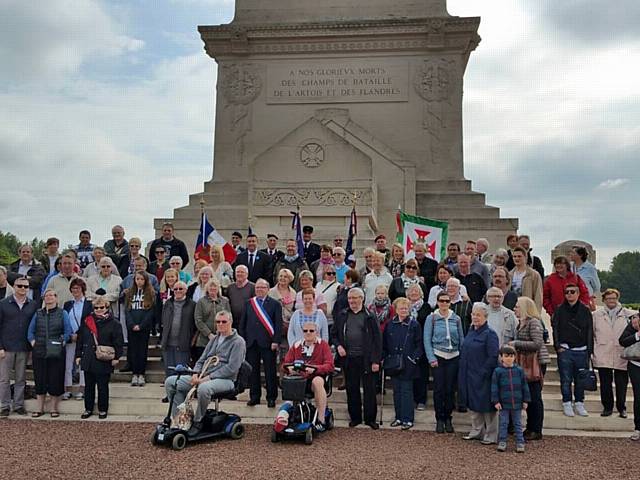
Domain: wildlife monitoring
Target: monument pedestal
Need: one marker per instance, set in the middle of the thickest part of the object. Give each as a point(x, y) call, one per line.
point(322, 108)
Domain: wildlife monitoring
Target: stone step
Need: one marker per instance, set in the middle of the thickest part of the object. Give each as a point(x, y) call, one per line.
point(262, 414)
point(455, 212)
point(444, 185)
point(449, 198)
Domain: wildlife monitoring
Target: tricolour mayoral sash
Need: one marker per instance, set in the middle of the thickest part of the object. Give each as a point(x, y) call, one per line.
point(262, 316)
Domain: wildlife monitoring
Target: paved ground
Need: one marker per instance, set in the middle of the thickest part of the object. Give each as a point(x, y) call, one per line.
point(74, 450)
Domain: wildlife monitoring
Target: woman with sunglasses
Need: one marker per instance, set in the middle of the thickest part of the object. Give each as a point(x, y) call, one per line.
point(443, 274)
point(443, 338)
point(99, 328)
point(328, 288)
point(308, 313)
point(398, 287)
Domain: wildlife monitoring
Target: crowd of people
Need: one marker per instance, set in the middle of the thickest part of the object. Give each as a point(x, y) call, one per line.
point(473, 323)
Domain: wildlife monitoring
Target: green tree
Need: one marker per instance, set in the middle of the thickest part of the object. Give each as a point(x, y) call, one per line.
point(624, 274)
point(9, 245)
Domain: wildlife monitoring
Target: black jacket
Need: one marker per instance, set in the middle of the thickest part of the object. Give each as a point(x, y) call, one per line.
point(252, 329)
point(372, 348)
point(109, 335)
point(153, 267)
point(172, 247)
point(474, 283)
point(87, 309)
point(396, 289)
point(262, 265)
point(428, 269)
point(628, 336)
point(311, 253)
point(36, 274)
point(14, 324)
point(573, 325)
point(187, 324)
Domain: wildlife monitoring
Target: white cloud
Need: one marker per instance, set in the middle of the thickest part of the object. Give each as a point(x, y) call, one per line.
point(613, 183)
point(49, 41)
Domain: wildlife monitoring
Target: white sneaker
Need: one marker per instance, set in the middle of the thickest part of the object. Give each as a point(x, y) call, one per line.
point(141, 380)
point(567, 409)
point(635, 436)
point(66, 395)
point(134, 381)
point(580, 410)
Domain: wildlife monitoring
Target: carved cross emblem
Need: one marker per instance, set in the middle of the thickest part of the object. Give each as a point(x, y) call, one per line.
point(312, 155)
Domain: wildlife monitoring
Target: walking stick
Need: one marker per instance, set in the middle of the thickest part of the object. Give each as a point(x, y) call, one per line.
point(381, 396)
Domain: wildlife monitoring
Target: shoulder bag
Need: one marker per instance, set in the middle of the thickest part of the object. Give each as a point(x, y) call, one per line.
point(632, 352)
point(394, 364)
point(104, 353)
point(53, 348)
point(587, 378)
point(530, 363)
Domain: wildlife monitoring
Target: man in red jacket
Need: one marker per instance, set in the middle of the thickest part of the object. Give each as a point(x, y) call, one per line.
point(554, 285)
point(317, 353)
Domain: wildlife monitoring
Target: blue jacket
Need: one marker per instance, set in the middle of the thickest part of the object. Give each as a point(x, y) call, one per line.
point(435, 335)
point(406, 338)
point(509, 387)
point(478, 359)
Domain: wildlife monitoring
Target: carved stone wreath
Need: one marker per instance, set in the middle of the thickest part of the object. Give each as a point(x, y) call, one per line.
point(434, 80)
point(312, 155)
point(311, 197)
point(240, 85)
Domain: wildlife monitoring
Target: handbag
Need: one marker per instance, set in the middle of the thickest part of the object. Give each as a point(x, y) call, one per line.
point(587, 378)
point(632, 352)
point(528, 361)
point(53, 348)
point(104, 353)
point(394, 364)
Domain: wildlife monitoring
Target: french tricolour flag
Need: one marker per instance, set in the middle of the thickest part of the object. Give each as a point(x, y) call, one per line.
point(210, 236)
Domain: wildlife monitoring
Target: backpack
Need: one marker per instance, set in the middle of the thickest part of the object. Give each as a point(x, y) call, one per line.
point(242, 381)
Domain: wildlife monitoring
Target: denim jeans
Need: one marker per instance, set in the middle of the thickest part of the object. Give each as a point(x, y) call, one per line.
point(516, 419)
point(445, 380)
point(403, 399)
point(569, 363)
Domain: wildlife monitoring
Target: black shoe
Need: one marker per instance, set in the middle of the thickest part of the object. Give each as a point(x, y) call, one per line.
point(165, 400)
point(271, 404)
point(195, 429)
point(373, 425)
point(253, 403)
point(5, 412)
point(342, 387)
point(529, 436)
point(622, 414)
point(462, 410)
point(439, 426)
point(22, 411)
point(102, 415)
point(86, 415)
point(354, 424)
point(448, 426)
point(607, 412)
point(126, 367)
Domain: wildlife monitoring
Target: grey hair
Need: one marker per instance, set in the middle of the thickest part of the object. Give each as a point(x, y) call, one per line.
point(495, 290)
point(261, 281)
point(224, 313)
point(454, 280)
point(479, 306)
point(176, 258)
point(358, 291)
point(242, 267)
point(181, 283)
point(414, 287)
point(305, 274)
point(3, 270)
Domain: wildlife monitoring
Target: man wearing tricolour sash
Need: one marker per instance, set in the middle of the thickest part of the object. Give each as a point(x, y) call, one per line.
point(261, 327)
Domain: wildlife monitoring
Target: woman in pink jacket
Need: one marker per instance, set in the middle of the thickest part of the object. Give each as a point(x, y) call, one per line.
point(609, 322)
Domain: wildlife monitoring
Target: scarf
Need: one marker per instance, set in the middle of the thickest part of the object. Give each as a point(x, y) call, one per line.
point(407, 282)
point(415, 308)
point(613, 313)
point(380, 308)
point(292, 258)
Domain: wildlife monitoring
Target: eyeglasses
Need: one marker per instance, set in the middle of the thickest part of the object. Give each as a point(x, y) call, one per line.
point(337, 254)
point(98, 307)
point(508, 355)
point(409, 267)
point(134, 246)
point(444, 301)
point(179, 289)
point(308, 331)
point(105, 266)
point(15, 285)
point(570, 291)
point(221, 321)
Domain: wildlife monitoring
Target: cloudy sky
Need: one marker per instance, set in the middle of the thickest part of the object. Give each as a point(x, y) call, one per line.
point(107, 111)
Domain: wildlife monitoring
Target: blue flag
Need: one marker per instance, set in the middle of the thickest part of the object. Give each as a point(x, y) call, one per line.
point(353, 231)
point(296, 225)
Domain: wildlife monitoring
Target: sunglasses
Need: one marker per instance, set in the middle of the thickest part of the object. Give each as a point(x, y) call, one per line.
point(330, 273)
point(409, 267)
point(308, 331)
point(337, 254)
point(179, 289)
point(100, 308)
point(134, 246)
point(15, 285)
point(105, 266)
point(160, 252)
point(444, 301)
point(221, 321)
point(570, 291)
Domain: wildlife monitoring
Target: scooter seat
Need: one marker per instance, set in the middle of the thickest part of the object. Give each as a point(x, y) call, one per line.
point(228, 395)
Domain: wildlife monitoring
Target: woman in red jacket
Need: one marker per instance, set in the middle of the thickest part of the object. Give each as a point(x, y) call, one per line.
point(314, 352)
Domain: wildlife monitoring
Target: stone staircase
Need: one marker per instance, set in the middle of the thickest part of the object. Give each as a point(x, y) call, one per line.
point(143, 404)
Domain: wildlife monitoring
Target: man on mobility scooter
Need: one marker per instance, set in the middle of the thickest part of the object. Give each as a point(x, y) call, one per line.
point(309, 363)
point(227, 350)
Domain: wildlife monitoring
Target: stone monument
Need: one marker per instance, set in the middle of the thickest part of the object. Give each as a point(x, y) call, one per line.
point(323, 105)
point(565, 247)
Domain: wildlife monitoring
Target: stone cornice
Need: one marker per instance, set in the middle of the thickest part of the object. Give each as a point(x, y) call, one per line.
point(439, 33)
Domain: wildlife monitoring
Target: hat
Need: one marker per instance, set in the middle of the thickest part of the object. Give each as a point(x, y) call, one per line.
point(381, 236)
point(272, 235)
point(237, 234)
point(307, 229)
point(632, 313)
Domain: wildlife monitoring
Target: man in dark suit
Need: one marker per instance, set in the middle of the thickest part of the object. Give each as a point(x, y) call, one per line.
point(273, 252)
point(259, 264)
point(311, 250)
point(261, 328)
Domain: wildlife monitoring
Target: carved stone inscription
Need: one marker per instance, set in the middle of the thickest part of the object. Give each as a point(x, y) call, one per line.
point(338, 82)
point(311, 197)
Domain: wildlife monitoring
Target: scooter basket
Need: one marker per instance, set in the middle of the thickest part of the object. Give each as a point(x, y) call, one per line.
point(294, 388)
